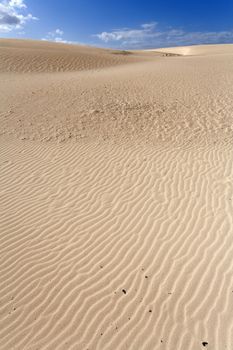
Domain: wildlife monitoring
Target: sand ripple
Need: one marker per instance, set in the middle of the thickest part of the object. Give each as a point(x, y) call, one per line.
point(116, 208)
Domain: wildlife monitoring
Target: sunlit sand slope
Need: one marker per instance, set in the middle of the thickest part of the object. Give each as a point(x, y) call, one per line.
point(116, 209)
point(42, 56)
point(199, 50)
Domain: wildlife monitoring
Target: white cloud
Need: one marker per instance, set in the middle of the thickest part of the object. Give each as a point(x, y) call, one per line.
point(56, 36)
point(149, 26)
point(59, 32)
point(148, 35)
point(13, 15)
point(17, 3)
point(128, 34)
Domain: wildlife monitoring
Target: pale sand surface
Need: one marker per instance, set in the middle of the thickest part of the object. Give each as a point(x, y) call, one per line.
point(200, 50)
point(116, 210)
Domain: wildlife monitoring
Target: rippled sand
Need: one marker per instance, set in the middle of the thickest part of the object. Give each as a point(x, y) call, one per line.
point(116, 211)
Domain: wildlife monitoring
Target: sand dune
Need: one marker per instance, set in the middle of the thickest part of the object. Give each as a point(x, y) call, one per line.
point(116, 201)
point(39, 56)
point(199, 50)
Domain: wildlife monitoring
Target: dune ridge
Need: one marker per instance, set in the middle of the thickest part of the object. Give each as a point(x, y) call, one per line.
point(31, 56)
point(198, 50)
point(116, 205)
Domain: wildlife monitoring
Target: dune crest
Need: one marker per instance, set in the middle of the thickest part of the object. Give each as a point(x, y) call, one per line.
point(198, 50)
point(30, 56)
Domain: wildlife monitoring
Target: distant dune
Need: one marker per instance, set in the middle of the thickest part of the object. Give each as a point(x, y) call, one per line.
point(199, 50)
point(44, 56)
point(116, 185)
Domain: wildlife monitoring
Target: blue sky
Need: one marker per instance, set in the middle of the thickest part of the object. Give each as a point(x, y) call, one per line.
point(124, 24)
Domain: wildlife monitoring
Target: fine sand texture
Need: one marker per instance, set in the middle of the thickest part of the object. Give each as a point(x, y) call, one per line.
point(116, 187)
point(198, 50)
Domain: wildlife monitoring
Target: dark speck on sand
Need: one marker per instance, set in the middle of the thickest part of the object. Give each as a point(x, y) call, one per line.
point(204, 343)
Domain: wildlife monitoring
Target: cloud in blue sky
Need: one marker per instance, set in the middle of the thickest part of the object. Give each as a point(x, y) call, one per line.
point(149, 35)
point(13, 15)
point(57, 37)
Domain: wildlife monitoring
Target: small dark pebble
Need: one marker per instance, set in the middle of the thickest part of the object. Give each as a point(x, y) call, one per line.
point(124, 291)
point(146, 276)
point(161, 340)
point(150, 310)
point(14, 308)
point(101, 333)
point(129, 318)
point(204, 343)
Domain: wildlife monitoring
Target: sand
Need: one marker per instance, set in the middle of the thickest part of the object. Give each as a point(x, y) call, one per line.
point(197, 50)
point(116, 211)
point(200, 50)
